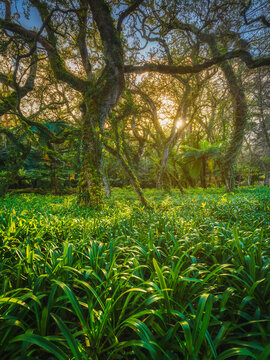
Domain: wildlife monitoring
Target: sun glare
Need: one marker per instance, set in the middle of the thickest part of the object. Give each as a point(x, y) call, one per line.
point(179, 123)
point(165, 111)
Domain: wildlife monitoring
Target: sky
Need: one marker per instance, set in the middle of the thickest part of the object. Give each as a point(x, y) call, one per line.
point(34, 18)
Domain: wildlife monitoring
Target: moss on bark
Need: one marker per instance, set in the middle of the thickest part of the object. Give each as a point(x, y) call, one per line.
point(91, 192)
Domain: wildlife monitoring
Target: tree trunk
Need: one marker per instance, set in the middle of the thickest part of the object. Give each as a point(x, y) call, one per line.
point(203, 174)
point(248, 182)
point(106, 184)
point(91, 191)
point(163, 165)
point(239, 116)
point(229, 179)
point(130, 174)
point(177, 182)
point(99, 99)
point(134, 181)
point(217, 180)
point(96, 109)
point(266, 177)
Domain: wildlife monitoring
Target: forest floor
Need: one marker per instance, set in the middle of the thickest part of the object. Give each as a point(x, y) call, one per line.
point(189, 279)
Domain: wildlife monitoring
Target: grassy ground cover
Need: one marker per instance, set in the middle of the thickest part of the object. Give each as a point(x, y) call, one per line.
point(189, 279)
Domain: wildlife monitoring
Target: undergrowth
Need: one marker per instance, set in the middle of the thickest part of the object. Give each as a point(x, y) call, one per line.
point(189, 279)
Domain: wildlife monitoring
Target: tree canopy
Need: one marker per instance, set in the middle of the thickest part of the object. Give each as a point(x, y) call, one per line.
point(109, 71)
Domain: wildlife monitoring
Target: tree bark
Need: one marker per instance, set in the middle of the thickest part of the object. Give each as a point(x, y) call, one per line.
point(130, 174)
point(248, 182)
point(163, 166)
point(239, 116)
point(106, 185)
point(175, 179)
point(266, 177)
point(54, 179)
point(174, 135)
point(90, 183)
point(203, 174)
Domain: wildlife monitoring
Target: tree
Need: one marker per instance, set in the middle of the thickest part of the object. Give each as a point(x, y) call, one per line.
point(121, 151)
point(93, 25)
point(257, 151)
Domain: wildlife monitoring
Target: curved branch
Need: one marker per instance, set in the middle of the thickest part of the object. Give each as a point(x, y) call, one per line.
point(56, 62)
point(8, 102)
point(126, 13)
point(83, 16)
point(244, 55)
point(261, 18)
point(150, 102)
point(110, 40)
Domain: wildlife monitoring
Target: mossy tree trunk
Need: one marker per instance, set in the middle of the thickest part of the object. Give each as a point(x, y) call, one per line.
point(118, 154)
point(91, 191)
point(174, 177)
point(240, 111)
point(96, 108)
point(133, 179)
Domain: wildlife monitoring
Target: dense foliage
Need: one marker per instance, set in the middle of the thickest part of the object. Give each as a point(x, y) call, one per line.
point(188, 279)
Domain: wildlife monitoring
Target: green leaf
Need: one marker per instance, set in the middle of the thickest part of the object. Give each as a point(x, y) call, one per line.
point(43, 343)
point(162, 285)
point(235, 352)
point(72, 342)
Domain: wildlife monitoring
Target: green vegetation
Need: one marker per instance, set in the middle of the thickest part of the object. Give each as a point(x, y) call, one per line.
point(129, 132)
point(188, 279)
